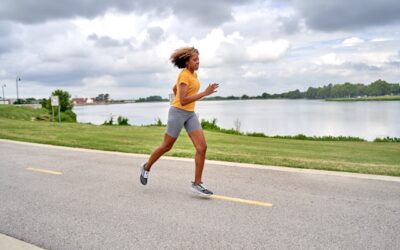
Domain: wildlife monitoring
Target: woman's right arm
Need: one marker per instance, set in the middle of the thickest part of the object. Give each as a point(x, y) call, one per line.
point(174, 89)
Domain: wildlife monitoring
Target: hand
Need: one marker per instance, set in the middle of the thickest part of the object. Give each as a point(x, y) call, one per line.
point(212, 88)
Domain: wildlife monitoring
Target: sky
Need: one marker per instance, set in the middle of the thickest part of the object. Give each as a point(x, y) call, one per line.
point(122, 47)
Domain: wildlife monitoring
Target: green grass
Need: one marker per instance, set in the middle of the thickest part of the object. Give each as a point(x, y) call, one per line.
point(369, 98)
point(360, 157)
point(20, 113)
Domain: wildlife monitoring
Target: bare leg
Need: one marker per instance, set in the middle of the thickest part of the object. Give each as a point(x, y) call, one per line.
point(162, 149)
point(200, 144)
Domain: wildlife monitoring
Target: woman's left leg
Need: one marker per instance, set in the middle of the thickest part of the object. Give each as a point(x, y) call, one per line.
point(200, 144)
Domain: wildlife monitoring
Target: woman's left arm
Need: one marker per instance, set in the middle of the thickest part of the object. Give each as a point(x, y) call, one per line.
point(185, 99)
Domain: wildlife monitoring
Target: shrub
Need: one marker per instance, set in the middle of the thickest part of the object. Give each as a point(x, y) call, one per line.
point(122, 121)
point(68, 116)
point(212, 125)
point(387, 139)
point(159, 122)
point(109, 122)
point(256, 134)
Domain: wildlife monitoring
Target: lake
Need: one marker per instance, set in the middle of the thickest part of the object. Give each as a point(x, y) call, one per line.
point(367, 120)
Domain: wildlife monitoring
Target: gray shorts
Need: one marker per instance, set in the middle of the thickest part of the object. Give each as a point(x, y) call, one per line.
point(178, 118)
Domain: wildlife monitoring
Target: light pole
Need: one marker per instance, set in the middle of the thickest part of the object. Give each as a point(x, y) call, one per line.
point(16, 82)
point(2, 87)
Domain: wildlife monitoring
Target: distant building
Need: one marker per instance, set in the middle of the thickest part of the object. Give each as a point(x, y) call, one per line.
point(5, 101)
point(83, 101)
point(89, 101)
point(79, 101)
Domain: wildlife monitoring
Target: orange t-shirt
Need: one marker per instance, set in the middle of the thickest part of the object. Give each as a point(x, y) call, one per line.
point(186, 77)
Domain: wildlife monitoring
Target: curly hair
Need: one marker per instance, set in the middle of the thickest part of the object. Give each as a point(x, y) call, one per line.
point(182, 55)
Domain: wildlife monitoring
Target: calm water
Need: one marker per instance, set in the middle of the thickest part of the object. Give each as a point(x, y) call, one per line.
point(366, 120)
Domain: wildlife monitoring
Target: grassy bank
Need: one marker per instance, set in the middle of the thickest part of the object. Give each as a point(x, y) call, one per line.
point(360, 157)
point(20, 113)
point(369, 98)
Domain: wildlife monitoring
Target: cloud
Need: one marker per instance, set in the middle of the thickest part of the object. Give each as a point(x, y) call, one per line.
point(106, 41)
point(218, 48)
point(353, 41)
point(360, 66)
point(268, 50)
point(155, 33)
point(5, 28)
point(290, 24)
point(381, 39)
point(206, 12)
point(99, 81)
point(9, 44)
point(262, 20)
point(332, 15)
point(330, 59)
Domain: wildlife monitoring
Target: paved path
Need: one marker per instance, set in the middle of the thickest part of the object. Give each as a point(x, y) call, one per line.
point(62, 198)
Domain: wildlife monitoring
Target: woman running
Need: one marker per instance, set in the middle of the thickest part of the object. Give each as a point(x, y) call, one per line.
point(181, 114)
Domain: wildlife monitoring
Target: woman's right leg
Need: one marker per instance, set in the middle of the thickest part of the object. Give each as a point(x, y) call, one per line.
point(158, 152)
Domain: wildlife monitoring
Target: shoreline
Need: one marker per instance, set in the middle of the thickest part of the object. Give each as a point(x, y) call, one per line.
point(355, 99)
point(338, 138)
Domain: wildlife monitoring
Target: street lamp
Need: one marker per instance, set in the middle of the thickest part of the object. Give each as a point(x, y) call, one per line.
point(16, 82)
point(2, 87)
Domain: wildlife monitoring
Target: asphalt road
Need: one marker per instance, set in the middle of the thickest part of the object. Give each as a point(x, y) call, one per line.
point(93, 200)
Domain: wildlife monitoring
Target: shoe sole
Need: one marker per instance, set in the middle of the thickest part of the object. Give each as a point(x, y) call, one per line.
point(200, 193)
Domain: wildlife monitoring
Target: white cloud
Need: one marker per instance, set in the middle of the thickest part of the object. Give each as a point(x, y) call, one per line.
point(115, 25)
point(100, 81)
point(330, 59)
point(268, 50)
point(381, 39)
point(353, 41)
point(374, 58)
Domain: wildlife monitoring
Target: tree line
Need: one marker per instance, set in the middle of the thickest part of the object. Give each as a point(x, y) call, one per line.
point(346, 90)
point(154, 98)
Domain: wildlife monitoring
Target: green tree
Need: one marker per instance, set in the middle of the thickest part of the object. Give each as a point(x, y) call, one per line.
point(153, 98)
point(379, 88)
point(65, 103)
point(265, 95)
point(292, 94)
point(64, 99)
point(103, 98)
point(44, 102)
point(395, 89)
point(311, 93)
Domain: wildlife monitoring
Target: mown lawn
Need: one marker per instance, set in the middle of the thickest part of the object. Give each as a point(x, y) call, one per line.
point(360, 157)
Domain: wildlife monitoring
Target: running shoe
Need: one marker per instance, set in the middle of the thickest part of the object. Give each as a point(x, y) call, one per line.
point(201, 189)
point(144, 174)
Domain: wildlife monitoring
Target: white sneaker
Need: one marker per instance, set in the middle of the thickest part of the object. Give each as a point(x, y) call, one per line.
point(201, 189)
point(144, 174)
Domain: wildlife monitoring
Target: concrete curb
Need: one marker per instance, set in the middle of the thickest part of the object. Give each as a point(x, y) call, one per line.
point(223, 163)
point(9, 243)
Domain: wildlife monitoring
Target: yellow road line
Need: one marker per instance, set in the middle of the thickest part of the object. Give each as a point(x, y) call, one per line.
point(250, 202)
point(45, 171)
